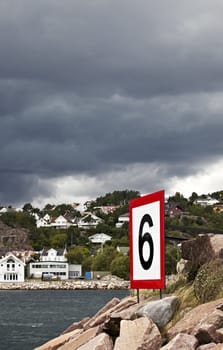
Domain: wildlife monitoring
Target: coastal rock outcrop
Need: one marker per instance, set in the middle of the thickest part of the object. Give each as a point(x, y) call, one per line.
point(202, 249)
point(203, 322)
point(116, 326)
point(13, 238)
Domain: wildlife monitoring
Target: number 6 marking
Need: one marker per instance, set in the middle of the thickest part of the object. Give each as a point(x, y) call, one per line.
point(145, 238)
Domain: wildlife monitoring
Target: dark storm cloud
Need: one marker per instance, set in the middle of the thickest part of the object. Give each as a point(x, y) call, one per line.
point(137, 49)
point(91, 86)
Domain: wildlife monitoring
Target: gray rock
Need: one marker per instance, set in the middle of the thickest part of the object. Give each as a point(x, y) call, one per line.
point(160, 311)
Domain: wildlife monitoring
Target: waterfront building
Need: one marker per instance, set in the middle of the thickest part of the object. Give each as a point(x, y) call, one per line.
point(53, 264)
point(51, 269)
point(12, 269)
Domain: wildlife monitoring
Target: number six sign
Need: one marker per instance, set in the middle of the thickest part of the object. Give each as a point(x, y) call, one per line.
point(147, 241)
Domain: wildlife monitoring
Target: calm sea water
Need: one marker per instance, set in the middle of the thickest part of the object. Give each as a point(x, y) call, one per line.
point(30, 318)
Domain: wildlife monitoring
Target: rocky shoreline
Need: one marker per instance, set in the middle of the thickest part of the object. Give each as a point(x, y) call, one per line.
point(103, 284)
point(126, 324)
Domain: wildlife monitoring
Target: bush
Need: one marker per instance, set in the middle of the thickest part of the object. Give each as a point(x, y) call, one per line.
point(171, 259)
point(209, 280)
point(120, 267)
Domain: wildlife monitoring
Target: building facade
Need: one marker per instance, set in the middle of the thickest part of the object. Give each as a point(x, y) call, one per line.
point(12, 269)
point(53, 255)
point(53, 264)
point(41, 269)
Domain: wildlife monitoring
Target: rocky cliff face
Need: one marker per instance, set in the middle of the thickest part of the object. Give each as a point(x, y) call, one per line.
point(13, 238)
point(202, 249)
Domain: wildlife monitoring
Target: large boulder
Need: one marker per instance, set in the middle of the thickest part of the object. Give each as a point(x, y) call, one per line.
point(139, 334)
point(104, 314)
point(57, 342)
point(77, 341)
point(77, 325)
point(182, 341)
point(203, 249)
point(101, 342)
point(160, 311)
point(203, 322)
point(112, 325)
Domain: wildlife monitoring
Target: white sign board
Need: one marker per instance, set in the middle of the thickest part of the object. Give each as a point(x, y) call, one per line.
point(147, 241)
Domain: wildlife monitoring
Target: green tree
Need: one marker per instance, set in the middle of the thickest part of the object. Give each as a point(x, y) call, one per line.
point(19, 219)
point(27, 207)
point(193, 197)
point(180, 199)
point(120, 266)
point(77, 255)
point(73, 234)
point(48, 207)
point(102, 261)
point(116, 198)
point(86, 263)
point(58, 240)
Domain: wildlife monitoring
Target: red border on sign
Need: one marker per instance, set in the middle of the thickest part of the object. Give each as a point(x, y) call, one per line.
point(147, 199)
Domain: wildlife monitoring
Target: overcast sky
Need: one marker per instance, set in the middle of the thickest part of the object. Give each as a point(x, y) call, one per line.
point(104, 95)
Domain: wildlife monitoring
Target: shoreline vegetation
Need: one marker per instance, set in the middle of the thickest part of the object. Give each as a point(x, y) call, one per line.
point(103, 284)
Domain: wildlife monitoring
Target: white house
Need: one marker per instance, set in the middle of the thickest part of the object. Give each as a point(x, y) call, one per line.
point(99, 238)
point(3, 210)
point(51, 268)
point(53, 255)
point(60, 222)
point(206, 201)
point(89, 220)
point(53, 263)
point(41, 222)
point(81, 207)
point(122, 219)
point(12, 269)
